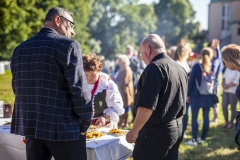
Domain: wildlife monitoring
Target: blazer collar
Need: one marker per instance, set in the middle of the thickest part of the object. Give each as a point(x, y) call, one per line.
point(48, 30)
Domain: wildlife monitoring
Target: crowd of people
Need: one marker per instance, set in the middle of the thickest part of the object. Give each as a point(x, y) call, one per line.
point(60, 92)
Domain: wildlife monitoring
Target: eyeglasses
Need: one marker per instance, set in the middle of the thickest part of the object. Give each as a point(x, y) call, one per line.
point(71, 25)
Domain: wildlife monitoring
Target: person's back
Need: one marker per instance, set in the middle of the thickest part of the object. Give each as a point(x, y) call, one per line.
point(173, 92)
point(52, 104)
point(38, 65)
point(160, 103)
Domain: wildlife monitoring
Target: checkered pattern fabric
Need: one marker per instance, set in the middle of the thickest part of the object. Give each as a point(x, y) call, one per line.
point(52, 100)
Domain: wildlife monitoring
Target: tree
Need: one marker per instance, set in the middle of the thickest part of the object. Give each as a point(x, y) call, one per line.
point(175, 20)
point(21, 19)
point(118, 23)
point(81, 10)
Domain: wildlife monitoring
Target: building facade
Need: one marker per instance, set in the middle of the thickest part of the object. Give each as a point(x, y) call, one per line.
point(224, 21)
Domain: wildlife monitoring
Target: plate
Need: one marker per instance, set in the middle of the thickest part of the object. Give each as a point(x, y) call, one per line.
point(117, 132)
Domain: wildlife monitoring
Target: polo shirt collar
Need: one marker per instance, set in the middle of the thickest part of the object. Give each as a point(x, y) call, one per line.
point(159, 56)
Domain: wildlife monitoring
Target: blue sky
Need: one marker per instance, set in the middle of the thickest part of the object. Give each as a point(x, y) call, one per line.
point(200, 6)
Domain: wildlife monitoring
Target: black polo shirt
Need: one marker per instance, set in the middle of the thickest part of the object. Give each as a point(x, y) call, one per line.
point(162, 87)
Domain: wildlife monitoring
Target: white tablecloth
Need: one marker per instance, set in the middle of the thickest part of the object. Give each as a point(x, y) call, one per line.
point(107, 147)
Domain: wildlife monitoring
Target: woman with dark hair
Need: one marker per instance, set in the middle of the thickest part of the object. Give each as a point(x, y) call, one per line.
point(199, 100)
point(107, 101)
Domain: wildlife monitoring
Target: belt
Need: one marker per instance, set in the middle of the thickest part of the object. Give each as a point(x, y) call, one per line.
point(174, 121)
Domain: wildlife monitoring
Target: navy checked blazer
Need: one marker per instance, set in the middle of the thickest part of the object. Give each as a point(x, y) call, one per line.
point(52, 100)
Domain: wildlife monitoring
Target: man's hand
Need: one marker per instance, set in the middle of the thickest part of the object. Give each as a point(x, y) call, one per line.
point(131, 136)
point(83, 133)
point(141, 118)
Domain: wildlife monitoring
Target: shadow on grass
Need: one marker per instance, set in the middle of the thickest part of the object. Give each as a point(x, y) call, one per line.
point(220, 145)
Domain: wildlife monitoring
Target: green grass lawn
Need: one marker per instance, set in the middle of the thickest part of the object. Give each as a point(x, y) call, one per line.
point(6, 93)
point(220, 143)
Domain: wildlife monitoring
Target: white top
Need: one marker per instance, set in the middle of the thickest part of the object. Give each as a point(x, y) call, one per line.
point(231, 76)
point(184, 65)
point(113, 98)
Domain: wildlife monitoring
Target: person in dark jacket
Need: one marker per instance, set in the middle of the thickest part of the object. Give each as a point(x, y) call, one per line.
point(216, 68)
point(198, 100)
point(53, 105)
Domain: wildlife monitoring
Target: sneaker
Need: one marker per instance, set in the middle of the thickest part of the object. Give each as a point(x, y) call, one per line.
point(214, 121)
point(191, 143)
point(184, 135)
point(200, 141)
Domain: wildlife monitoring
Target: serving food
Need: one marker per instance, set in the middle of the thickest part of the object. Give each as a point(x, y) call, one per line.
point(93, 134)
point(7, 123)
point(117, 132)
point(92, 127)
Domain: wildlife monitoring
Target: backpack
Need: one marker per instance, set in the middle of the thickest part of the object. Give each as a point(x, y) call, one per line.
point(207, 83)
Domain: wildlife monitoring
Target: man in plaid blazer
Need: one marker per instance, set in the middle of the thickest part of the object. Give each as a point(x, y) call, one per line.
point(53, 103)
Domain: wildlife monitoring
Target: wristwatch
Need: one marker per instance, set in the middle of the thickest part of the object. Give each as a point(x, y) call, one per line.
point(106, 119)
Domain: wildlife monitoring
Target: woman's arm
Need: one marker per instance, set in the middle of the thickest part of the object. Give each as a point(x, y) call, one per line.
point(114, 102)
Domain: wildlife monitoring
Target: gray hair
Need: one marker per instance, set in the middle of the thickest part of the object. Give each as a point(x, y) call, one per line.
point(154, 41)
point(124, 58)
point(56, 11)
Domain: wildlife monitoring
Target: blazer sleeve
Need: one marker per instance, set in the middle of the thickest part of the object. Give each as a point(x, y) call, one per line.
point(77, 83)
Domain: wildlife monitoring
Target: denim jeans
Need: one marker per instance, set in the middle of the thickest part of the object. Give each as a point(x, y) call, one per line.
point(159, 143)
point(185, 117)
point(195, 123)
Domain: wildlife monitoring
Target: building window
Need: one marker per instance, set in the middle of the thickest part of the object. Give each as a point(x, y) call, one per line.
point(228, 11)
point(223, 24)
point(228, 25)
point(223, 11)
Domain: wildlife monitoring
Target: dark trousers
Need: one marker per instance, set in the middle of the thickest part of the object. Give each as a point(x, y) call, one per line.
point(185, 117)
point(159, 143)
point(38, 149)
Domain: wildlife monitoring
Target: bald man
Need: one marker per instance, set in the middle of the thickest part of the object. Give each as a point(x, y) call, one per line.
point(160, 104)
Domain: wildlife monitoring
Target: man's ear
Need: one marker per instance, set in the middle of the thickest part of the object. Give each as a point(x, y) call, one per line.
point(57, 20)
point(148, 49)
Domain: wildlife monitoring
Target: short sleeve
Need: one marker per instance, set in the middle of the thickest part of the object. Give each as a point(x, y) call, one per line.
point(150, 83)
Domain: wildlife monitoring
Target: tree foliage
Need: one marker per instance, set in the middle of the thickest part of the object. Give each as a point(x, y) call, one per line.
point(103, 26)
point(118, 23)
point(21, 19)
point(175, 20)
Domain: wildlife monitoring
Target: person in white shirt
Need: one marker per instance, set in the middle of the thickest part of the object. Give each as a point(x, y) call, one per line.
point(107, 100)
point(230, 82)
point(180, 56)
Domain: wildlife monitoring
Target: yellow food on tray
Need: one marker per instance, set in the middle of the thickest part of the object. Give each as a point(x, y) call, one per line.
point(93, 134)
point(117, 132)
point(93, 127)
